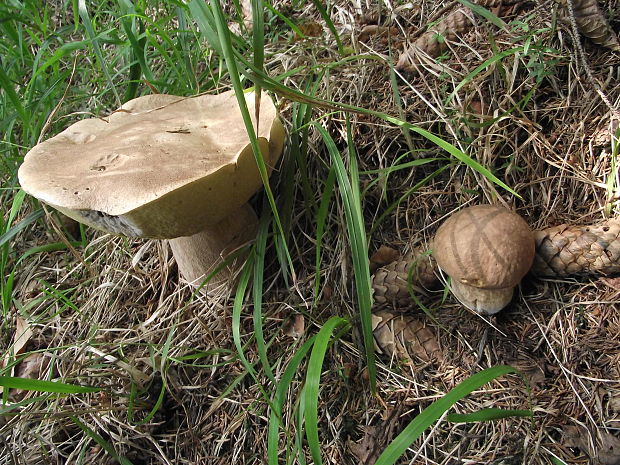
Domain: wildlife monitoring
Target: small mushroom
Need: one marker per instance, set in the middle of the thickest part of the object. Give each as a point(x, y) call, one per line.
point(165, 167)
point(486, 250)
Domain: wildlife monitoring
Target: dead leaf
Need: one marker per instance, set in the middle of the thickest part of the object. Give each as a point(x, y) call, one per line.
point(609, 452)
point(32, 366)
point(296, 326)
point(383, 256)
point(23, 333)
point(404, 337)
point(368, 449)
point(375, 31)
point(606, 451)
point(309, 29)
point(614, 402)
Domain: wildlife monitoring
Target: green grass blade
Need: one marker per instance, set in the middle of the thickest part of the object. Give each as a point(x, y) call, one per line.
point(38, 385)
point(313, 379)
point(481, 67)
point(488, 414)
point(486, 14)
point(257, 291)
point(434, 411)
point(295, 95)
point(105, 445)
point(17, 228)
point(390, 208)
point(244, 280)
point(163, 369)
point(275, 416)
point(556, 460)
point(203, 17)
point(9, 89)
point(90, 30)
point(231, 62)
point(321, 220)
point(330, 24)
point(349, 191)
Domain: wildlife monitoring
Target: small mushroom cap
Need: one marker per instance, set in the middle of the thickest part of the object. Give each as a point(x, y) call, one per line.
point(485, 246)
point(161, 166)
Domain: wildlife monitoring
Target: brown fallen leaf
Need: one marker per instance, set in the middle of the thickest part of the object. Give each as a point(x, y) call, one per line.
point(404, 336)
point(376, 31)
point(309, 29)
point(368, 449)
point(614, 402)
point(295, 328)
point(528, 368)
point(32, 366)
point(605, 451)
point(383, 256)
point(22, 335)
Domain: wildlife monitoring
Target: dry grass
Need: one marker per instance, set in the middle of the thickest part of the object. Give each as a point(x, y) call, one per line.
point(122, 300)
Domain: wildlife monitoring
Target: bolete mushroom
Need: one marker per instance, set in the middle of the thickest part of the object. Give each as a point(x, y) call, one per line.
point(164, 167)
point(486, 250)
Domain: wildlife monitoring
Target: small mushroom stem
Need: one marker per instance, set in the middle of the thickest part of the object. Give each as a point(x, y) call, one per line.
point(199, 254)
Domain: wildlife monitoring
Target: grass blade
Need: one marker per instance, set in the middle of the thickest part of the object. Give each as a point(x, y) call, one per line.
point(434, 411)
point(257, 291)
point(349, 191)
point(38, 385)
point(321, 220)
point(330, 24)
point(15, 230)
point(83, 11)
point(275, 416)
point(313, 379)
point(105, 445)
point(230, 57)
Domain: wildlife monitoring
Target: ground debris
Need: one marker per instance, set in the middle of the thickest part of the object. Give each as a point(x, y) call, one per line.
point(376, 31)
point(591, 22)
point(606, 451)
point(404, 336)
point(368, 449)
point(436, 39)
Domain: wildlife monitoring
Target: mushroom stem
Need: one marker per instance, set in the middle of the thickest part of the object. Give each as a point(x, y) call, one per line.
point(199, 254)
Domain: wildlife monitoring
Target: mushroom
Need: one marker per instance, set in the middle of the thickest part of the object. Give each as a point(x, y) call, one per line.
point(164, 167)
point(486, 250)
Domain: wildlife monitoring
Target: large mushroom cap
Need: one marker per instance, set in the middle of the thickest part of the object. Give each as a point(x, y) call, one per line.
point(161, 166)
point(484, 247)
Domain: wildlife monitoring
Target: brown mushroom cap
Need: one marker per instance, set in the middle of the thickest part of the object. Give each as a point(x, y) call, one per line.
point(485, 247)
point(161, 166)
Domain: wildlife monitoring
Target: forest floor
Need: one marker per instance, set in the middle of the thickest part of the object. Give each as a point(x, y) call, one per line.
point(101, 310)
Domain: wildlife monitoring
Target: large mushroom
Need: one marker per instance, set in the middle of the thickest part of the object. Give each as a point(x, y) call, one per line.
point(164, 167)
